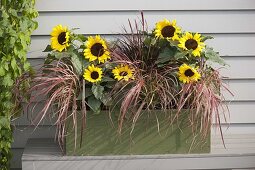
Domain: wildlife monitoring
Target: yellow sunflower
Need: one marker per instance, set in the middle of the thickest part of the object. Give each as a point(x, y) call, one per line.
point(96, 48)
point(60, 38)
point(167, 29)
point(93, 74)
point(188, 74)
point(192, 42)
point(123, 72)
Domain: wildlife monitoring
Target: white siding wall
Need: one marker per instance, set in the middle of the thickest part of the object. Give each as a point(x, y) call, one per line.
point(231, 23)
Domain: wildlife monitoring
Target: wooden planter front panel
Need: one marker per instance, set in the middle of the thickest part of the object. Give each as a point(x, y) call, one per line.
point(148, 137)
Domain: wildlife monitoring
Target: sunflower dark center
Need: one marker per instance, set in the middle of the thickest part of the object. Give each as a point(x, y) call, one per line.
point(189, 73)
point(94, 75)
point(123, 73)
point(191, 44)
point(62, 38)
point(97, 49)
point(168, 31)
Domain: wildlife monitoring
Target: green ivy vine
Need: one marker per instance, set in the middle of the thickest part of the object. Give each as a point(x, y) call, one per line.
point(16, 25)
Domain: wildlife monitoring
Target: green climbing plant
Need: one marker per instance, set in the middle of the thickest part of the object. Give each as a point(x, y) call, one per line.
point(16, 25)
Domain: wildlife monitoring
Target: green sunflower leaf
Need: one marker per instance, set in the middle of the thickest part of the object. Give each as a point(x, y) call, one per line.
point(204, 38)
point(213, 56)
point(81, 38)
point(94, 104)
point(48, 49)
point(82, 46)
point(97, 90)
point(88, 92)
point(107, 79)
point(147, 41)
point(49, 58)
point(77, 63)
point(180, 55)
point(106, 99)
point(166, 55)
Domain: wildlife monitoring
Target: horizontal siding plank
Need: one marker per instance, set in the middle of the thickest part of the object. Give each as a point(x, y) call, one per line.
point(239, 68)
point(240, 112)
point(234, 139)
point(233, 129)
point(233, 44)
point(116, 5)
point(243, 90)
point(227, 45)
point(112, 22)
point(234, 143)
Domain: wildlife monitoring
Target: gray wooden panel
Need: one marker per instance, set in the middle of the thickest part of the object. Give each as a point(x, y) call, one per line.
point(112, 22)
point(98, 5)
point(23, 133)
point(16, 157)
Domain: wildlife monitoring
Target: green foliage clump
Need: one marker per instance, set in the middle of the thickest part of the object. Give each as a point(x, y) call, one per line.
point(17, 23)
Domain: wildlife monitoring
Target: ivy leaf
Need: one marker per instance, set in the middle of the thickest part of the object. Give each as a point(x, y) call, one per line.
point(213, 56)
point(94, 104)
point(4, 122)
point(48, 49)
point(7, 80)
point(2, 71)
point(97, 90)
point(27, 66)
point(1, 32)
point(13, 64)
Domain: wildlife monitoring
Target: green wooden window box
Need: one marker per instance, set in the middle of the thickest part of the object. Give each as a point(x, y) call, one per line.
point(150, 136)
